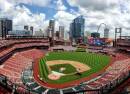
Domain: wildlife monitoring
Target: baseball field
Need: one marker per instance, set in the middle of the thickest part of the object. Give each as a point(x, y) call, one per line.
point(61, 67)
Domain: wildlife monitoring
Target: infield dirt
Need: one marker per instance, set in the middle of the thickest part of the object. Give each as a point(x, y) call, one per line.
point(80, 67)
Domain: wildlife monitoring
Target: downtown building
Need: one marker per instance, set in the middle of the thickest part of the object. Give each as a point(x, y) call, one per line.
point(51, 29)
point(61, 31)
point(23, 32)
point(60, 34)
point(5, 27)
point(77, 30)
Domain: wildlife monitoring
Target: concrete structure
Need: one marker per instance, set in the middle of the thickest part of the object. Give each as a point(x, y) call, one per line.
point(5, 27)
point(95, 35)
point(57, 34)
point(123, 43)
point(31, 29)
point(52, 28)
point(77, 29)
point(26, 27)
point(20, 33)
point(106, 33)
point(61, 31)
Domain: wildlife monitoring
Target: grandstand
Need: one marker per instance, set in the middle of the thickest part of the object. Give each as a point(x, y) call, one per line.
point(123, 43)
point(19, 64)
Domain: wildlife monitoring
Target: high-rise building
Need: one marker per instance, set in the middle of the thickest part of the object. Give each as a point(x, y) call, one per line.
point(61, 30)
point(26, 27)
point(31, 30)
point(5, 27)
point(48, 32)
point(77, 29)
point(51, 31)
point(106, 33)
point(52, 27)
point(57, 35)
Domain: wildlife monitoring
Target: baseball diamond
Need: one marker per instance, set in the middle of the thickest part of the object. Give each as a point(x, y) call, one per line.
point(77, 64)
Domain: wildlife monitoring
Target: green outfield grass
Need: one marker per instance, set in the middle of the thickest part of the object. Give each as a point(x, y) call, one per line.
point(95, 61)
point(80, 50)
point(68, 68)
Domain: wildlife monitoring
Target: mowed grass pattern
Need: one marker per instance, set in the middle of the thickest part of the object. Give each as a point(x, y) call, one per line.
point(68, 68)
point(95, 61)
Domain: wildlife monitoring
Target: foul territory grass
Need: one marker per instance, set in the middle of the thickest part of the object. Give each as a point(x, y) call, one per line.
point(95, 61)
point(68, 68)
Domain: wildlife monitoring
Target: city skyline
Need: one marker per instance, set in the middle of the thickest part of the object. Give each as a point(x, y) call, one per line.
point(37, 14)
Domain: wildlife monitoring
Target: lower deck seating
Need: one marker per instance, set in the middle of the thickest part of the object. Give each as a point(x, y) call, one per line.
point(13, 67)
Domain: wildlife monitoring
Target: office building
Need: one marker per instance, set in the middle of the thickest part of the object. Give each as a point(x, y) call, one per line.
point(48, 32)
point(20, 33)
point(5, 27)
point(52, 28)
point(57, 35)
point(106, 33)
point(61, 31)
point(26, 27)
point(51, 32)
point(77, 29)
point(31, 29)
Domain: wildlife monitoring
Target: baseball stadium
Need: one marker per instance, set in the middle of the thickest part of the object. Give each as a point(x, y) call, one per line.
point(31, 66)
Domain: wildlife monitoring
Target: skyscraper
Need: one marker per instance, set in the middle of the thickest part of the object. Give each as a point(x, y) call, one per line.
point(48, 32)
point(51, 31)
point(26, 27)
point(77, 29)
point(5, 27)
point(57, 35)
point(106, 33)
point(61, 30)
point(52, 27)
point(31, 30)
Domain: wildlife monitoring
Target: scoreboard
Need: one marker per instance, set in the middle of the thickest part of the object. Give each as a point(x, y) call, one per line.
point(96, 41)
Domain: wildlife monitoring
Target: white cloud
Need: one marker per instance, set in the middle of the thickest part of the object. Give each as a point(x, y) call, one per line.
point(115, 13)
point(60, 5)
point(94, 4)
point(5, 5)
point(64, 18)
point(21, 15)
point(40, 3)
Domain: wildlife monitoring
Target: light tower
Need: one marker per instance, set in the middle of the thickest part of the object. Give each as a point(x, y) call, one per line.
point(117, 31)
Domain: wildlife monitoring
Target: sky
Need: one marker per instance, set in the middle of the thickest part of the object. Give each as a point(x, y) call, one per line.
point(37, 13)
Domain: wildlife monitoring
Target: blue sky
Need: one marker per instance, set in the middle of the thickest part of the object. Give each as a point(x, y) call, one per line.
point(50, 10)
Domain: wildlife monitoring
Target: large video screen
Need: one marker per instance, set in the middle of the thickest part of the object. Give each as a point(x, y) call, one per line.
point(95, 41)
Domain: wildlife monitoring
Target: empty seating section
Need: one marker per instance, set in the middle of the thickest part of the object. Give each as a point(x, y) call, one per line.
point(13, 67)
point(10, 45)
point(118, 70)
point(32, 54)
point(9, 42)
